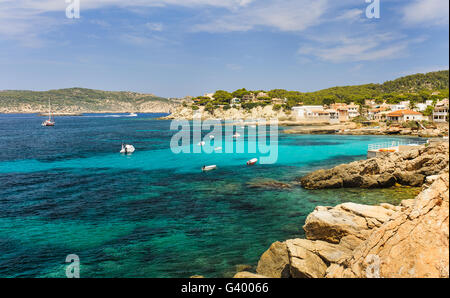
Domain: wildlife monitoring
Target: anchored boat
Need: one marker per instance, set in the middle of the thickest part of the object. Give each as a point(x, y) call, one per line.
point(251, 162)
point(127, 149)
point(49, 121)
point(209, 168)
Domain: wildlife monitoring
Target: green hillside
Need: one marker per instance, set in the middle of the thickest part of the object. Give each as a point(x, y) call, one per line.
point(78, 99)
point(417, 88)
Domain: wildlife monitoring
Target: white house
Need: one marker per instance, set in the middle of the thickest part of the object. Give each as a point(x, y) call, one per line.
point(353, 110)
point(404, 115)
point(440, 113)
point(398, 107)
point(304, 112)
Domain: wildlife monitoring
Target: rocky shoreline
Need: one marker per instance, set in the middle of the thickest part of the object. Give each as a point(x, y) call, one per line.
point(296, 126)
point(357, 241)
point(409, 168)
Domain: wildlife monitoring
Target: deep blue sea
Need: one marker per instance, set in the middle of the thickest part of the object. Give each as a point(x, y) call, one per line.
point(67, 190)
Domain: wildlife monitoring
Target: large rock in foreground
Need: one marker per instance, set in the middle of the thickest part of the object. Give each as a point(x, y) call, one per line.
point(353, 240)
point(331, 224)
point(414, 243)
point(406, 168)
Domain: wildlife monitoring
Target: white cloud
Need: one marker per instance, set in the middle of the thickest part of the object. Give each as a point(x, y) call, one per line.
point(357, 49)
point(426, 12)
point(350, 15)
point(27, 20)
point(154, 26)
point(284, 15)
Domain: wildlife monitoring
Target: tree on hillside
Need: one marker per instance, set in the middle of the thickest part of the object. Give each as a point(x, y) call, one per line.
point(240, 93)
point(223, 97)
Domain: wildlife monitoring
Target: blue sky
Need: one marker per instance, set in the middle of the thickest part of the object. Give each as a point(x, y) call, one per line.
point(174, 48)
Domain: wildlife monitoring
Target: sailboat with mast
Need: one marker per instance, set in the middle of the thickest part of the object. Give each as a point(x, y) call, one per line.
point(50, 121)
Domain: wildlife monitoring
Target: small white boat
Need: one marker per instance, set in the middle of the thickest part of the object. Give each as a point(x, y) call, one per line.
point(209, 168)
point(211, 137)
point(202, 143)
point(236, 135)
point(218, 149)
point(133, 115)
point(251, 162)
point(127, 149)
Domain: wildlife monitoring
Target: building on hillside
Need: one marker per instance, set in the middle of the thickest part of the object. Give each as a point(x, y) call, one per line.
point(353, 110)
point(262, 95)
point(378, 114)
point(282, 101)
point(404, 115)
point(398, 107)
point(304, 112)
point(333, 115)
point(369, 102)
point(249, 97)
point(210, 95)
point(316, 114)
point(405, 103)
point(235, 101)
point(420, 107)
point(342, 109)
point(440, 113)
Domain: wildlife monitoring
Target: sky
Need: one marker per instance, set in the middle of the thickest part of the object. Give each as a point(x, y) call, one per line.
point(175, 48)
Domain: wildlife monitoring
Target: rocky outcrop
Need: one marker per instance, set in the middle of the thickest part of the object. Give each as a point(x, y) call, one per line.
point(332, 224)
point(354, 240)
point(407, 168)
point(414, 243)
point(267, 112)
point(275, 261)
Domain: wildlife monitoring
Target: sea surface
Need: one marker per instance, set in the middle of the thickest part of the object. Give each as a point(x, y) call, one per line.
point(67, 190)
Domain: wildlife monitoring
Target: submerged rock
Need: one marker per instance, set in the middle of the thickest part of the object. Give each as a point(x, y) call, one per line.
point(268, 184)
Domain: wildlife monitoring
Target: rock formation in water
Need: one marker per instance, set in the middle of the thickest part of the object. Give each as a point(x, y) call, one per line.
point(353, 240)
point(405, 168)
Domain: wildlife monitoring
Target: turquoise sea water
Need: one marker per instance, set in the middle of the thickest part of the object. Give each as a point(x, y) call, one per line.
point(66, 190)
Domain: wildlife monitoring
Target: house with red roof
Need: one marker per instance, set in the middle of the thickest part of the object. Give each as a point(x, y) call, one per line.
point(404, 115)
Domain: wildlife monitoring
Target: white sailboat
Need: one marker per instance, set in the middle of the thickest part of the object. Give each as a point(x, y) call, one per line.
point(49, 121)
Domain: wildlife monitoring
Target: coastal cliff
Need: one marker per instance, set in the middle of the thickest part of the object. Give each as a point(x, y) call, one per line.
point(266, 112)
point(359, 241)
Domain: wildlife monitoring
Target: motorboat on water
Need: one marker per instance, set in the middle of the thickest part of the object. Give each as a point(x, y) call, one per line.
point(236, 135)
point(133, 115)
point(50, 121)
point(252, 161)
point(202, 143)
point(218, 149)
point(209, 168)
point(211, 137)
point(127, 149)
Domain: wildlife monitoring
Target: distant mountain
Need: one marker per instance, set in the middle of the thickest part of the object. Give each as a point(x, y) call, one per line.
point(81, 100)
